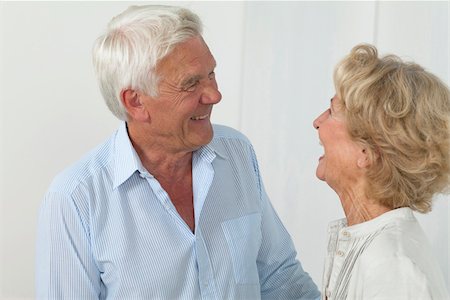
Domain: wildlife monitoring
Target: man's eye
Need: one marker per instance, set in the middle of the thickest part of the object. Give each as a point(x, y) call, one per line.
point(191, 87)
point(212, 75)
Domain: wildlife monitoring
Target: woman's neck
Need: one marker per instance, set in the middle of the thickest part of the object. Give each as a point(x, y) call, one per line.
point(357, 207)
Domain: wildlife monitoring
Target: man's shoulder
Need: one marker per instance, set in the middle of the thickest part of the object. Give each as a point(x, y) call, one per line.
point(228, 133)
point(90, 165)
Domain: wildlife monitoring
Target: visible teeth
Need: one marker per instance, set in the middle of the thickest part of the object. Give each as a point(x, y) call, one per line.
point(199, 118)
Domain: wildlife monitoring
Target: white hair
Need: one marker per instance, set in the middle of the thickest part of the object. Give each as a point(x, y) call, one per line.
point(125, 56)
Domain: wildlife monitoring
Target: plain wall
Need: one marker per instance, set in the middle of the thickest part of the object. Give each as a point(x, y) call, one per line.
point(275, 61)
point(290, 50)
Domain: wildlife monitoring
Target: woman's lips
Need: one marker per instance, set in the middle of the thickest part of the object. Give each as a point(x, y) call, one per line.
point(196, 118)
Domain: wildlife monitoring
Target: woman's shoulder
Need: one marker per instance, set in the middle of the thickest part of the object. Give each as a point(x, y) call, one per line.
point(394, 234)
point(401, 256)
point(401, 240)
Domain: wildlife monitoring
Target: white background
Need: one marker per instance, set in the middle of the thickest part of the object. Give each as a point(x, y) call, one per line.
point(275, 62)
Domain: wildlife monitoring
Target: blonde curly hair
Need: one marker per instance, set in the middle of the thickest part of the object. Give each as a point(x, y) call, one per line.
point(401, 114)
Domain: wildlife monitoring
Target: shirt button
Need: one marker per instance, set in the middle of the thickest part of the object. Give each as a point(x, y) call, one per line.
point(340, 253)
point(346, 234)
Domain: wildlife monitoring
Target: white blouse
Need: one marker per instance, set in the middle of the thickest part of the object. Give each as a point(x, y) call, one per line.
point(388, 257)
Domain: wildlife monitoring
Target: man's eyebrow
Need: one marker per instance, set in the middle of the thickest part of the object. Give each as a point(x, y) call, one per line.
point(190, 80)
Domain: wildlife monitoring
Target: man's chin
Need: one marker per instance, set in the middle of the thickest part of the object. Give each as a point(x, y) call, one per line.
point(202, 139)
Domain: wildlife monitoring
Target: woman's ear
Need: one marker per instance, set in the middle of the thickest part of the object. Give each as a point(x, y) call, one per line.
point(132, 101)
point(364, 158)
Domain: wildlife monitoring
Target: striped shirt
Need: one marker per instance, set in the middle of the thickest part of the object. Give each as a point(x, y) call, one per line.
point(108, 230)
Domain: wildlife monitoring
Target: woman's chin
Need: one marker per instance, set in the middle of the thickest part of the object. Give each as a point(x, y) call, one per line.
point(320, 175)
point(320, 170)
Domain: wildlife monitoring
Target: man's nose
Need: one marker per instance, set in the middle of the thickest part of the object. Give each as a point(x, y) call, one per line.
point(211, 94)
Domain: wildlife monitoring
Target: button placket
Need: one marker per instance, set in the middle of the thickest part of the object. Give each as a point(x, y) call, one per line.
point(344, 239)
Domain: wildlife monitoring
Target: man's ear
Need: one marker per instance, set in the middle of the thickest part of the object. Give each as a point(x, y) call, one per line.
point(133, 104)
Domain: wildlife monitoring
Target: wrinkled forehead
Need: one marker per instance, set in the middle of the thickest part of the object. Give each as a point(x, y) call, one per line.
point(191, 56)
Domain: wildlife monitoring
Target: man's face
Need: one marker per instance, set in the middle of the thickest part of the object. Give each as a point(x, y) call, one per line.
point(180, 115)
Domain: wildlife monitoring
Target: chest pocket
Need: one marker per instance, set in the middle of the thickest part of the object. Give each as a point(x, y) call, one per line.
point(243, 237)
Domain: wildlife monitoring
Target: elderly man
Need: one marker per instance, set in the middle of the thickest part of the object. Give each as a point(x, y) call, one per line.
point(170, 207)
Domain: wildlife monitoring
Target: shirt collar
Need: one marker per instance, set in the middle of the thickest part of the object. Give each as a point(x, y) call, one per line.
point(209, 151)
point(368, 227)
point(374, 225)
point(127, 161)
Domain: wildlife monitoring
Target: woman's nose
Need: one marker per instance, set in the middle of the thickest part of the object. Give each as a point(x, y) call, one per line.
point(316, 123)
point(318, 120)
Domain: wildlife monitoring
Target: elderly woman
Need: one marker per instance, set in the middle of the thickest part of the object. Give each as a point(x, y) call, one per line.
point(386, 138)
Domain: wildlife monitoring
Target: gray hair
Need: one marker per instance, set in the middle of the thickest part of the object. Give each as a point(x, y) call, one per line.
point(125, 56)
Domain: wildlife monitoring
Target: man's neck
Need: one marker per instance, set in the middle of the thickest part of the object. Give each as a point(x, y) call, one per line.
point(157, 156)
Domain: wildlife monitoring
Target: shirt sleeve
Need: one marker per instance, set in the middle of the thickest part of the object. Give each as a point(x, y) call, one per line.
point(395, 278)
point(65, 268)
point(281, 274)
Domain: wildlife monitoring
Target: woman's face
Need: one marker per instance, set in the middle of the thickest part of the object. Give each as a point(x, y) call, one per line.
point(338, 166)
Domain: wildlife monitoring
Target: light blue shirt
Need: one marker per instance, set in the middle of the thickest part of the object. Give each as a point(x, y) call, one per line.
point(108, 230)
